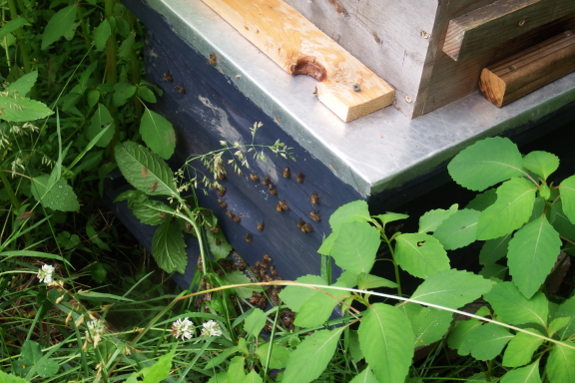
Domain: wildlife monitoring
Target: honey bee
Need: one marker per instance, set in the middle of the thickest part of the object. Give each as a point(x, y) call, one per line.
point(267, 258)
point(306, 228)
point(266, 181)
point(144, 172)
point(273, 271)
point(314, 216)
point(221, 192)
point(300, 223)
point(236, 219)
point(300, 177)
point(213, 59)
point(287, 173)
point(259, 300)
point(168, 77)
point(223, 204)
point(214, 230)
point(180, 89)
point(254, 177)
point(248, 238)
point(221, 176)
point(154, 187)
point(261, 226)
point(229, 214)
point(272, 189)
point(314, 199)
point(282, 206)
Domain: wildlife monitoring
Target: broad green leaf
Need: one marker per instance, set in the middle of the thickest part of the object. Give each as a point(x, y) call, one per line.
point(327, 244)
point(21, 109)
point(219, 245)
point(353, 211)
point(221, 377)
point(541, 163)
point(513, 308)
point(353, 346)
point(420, 254)
point(169, 248)
point(148, 211)
point(356, 246)
point(311, 357)
point(295, 296)
point(127, 47)
point(144, 170)
point(58, 25)
point(278, 358)
point(59, 196)
point(483, 200)
point(487, 341)
point(102, 34)
point(12, 26)
point(160, 370)
point(515, 200)
point(493, 250)
point(567, 309)
point(391, 217)
point(255, 322)
point(567, 190)
point(386, 340)
point(527, 374)
point(486, 163)
point(533, 251)
point(557, 324)
point(561, 363)
point(252, 377)
point(44, 365)
point(94, 236)
point(223, 355)
point(430, 325)
point(93, 97)
point(123, 91)
point(520, 349)
point(9, 378)
point(560, 222)
point(237, 277)
point(100, 120)
point(24, 84)
point(236, 370)
point(366, 376)
point(458, 230)
point(452, 288)
point(146, 94)
point(158, 133)
point(460, 332)
point(429, 221)
point(495, 272)
point(367, 281)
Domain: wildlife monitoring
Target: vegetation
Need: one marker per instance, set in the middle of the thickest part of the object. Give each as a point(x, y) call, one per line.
point(77, 305)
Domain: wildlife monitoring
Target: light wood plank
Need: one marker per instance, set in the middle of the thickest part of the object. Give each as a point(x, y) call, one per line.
point(498, 22)
point(299, 47)
point(520, 74)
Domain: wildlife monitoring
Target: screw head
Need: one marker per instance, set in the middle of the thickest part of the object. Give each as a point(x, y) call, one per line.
point(356, 88)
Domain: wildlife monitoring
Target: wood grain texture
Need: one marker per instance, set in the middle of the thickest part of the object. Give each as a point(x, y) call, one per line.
point(522, 73)
point(299, 47)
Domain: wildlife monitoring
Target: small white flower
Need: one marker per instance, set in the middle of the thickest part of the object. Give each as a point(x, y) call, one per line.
point(46, 273)
point(95, 331)
point(211, 328)
point(183, 328)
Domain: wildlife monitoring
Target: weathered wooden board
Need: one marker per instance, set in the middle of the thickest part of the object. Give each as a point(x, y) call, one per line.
point(345, 85)
point(495, 23)
point(514, 77)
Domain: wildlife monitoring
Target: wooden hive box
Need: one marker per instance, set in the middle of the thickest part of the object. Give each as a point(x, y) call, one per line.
point(432, 52)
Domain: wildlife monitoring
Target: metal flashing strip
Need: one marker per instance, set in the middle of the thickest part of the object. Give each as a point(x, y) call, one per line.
point(377, 152)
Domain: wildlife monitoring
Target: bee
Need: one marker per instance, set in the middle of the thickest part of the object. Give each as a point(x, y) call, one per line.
point(213, 59)
point(300, 177)
point(248, 238)
point(229, 214)
point(189, 227)
point(144, 172)
point(259, 300)
point(254, 177)
point(218, 242)
point(168, 77)
point(282, 206)
point(221, 192)
point(236, 219)
point(221, 176)
point(267, 258)
point(306, 228)
point(272, 189)
point(162, 216)
point(314, 216)
point(180, 89)
point(214, 230)
point(223, 204)
point(273, 271)
point(300, 223)
point(287, 173)
point(261, 226)
point(314, 198)
point(154, 187)
point(267, 181)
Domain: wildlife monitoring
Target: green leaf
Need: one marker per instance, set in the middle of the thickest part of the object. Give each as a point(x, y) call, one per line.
point(144, 170)
point(515, 200)
point(520, 350)
point(386, 340)
point(460, 332)
point(127, 47)
point(486, 342)
point(123, 91)
point(452, 288)
point(169, 248)
point(59, 196)
point(146, 94)
point(561, 363)
point(483, 200)
point(45, 367)
point(221, 377)
point(486, 163)
point(353, 211)
point(567, 309)
point(158, 134)
point(366, 376)
point(222, 356)
point(252, 377)
point(102, 34)
point(255, 322)
point(560, 221)
point(236, 277)
point(429, 221)
point(495, 272)
point(567, 190)
point(21, 109)
point(148, 211)
point(93, 97)
point(513, 308)
point(493, 250)
point(541, 163)
point(9, 378)
point(236, 371)
point(356, 246)
point(557, 324)
point(157, 372)
point(367, 281)
point(391, 217)
point(420, 254)
point(533, 251)
point(295, 296)
point(94, 236)
point(24, 84)
point(527, 374)
point(98, 272)
point(312, 356)
point(278, 358)
point(100, 120)
point(458, 230)
point(430, 325)
point(58, 25)
point(12, 26)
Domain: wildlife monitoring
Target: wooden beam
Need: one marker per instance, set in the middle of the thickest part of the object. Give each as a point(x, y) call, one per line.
point(498, 22)
point(529, 70)
point(346, 86)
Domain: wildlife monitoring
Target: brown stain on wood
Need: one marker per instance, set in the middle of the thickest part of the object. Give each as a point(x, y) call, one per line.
point(337, 6)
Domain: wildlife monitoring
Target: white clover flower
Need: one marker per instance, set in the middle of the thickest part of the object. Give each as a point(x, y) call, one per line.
point(183, 328)
point(211, 328)
point(46, 273)
point(95, 330)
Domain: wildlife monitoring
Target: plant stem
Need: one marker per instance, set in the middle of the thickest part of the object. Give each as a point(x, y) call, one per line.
point(395, 265)
point(20, 38)
point(13, 199)
point(86, 34)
